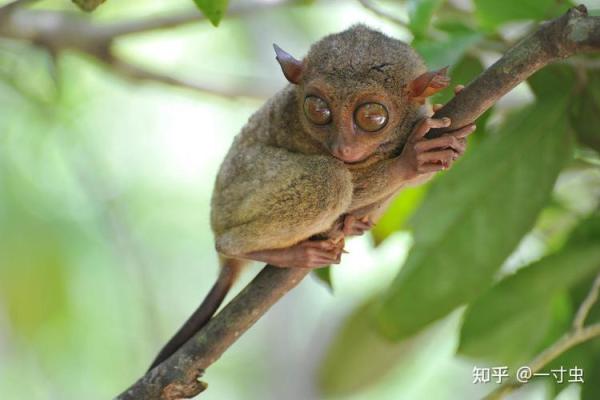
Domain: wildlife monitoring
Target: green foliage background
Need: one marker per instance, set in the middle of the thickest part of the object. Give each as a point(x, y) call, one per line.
point(105, 186)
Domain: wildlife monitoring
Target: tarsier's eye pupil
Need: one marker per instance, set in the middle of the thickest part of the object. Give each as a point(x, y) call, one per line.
point(317, 110)
point(371, 117)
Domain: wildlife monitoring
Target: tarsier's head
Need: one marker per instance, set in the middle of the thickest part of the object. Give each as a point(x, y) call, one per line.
point(358, 89)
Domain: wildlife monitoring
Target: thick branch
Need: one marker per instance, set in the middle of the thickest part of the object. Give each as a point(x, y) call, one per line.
point(177, 377)
point(574, 32)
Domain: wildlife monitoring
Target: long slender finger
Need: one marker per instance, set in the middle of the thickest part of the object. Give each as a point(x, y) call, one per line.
point(463, 132)
point(431, 167)
point(443, 156)
point(368, 220)
point(324, 260)
point(365, 226)
point(437, 107)
point(426, 124)
point(442, 142)
point(320, 244)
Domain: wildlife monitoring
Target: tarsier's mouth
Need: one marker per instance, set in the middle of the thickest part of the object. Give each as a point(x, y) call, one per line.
point(352, 161)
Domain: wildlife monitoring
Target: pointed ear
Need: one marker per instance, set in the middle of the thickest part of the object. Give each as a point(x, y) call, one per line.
point(292, 68)
point(428, 83)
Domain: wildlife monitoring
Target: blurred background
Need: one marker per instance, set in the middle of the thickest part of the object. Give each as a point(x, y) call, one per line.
point(106, 171)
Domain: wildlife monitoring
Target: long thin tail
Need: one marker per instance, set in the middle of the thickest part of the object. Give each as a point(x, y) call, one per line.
point(230, 269)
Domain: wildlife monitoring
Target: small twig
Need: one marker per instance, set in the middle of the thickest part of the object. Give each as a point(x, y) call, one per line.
point(587, 304)
point(138, 73)
point(367, 4)
point(58, 32)
point(577, 335)
point(117, 29)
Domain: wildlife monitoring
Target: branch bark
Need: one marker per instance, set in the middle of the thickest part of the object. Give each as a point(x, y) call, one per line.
point(569, 34)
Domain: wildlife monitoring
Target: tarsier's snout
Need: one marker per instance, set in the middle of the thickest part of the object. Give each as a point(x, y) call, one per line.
point(348, 154)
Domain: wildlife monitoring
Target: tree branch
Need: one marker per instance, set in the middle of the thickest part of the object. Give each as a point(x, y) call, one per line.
point(577, 335)
point(572, 33)
point(58, 32)
point(587, 304)
point(118, 29)
point(177, 377)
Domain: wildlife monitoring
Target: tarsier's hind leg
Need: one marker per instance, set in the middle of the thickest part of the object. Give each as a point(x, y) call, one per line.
point(272, 221)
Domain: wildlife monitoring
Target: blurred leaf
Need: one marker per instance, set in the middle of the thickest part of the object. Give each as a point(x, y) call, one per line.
point(590, 389)
point(438, 54)
point(492, 13)
point(586, 231)
point(473, 218)
point(324, 275)
point(88, 5)
point(584, 113)
point(397, 213)
point(214, 10)
point(553, 79)
point(420, 13)
point(583, 356)
point(33, 284)
point(359, 356)
point(508, 323)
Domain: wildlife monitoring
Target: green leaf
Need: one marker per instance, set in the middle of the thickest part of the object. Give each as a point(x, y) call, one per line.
point(214, 10)
point(584, 356)
point(509, 323)
point(359, 356)
point(492, 13)
point(398, 212)
point(590, 390)
point(584, 113)
point(420, 13)
point(473, 218)
point(438, 54)
point(324, 275)
point(552, 80)
point(88, 5)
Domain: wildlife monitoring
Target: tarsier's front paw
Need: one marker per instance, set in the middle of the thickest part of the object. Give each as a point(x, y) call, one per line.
point(422, 155)
point(354, 226)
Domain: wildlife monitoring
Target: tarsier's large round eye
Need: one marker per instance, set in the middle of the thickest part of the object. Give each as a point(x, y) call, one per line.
point(371, 117)
point(317, 110)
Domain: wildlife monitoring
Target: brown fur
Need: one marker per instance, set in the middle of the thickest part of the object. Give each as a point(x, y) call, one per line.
point(279, 184)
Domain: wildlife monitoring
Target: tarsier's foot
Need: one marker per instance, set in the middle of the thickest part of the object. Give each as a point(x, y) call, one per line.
point(306, 254)
point(354, 226)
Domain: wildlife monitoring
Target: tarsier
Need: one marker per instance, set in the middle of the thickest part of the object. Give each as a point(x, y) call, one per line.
point(323, 158)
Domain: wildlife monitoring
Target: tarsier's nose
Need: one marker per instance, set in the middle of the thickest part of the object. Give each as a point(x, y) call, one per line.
point(346, 153)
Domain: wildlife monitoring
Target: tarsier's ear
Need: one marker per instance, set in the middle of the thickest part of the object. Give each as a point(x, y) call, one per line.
point(292, 68)
point(428, 83)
